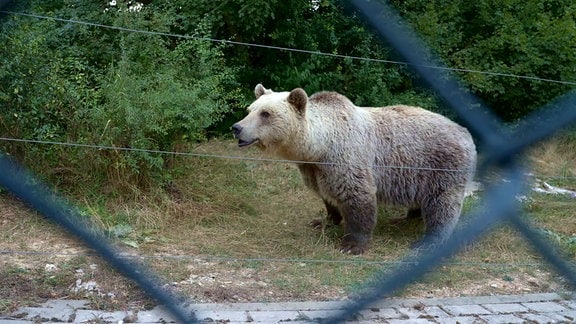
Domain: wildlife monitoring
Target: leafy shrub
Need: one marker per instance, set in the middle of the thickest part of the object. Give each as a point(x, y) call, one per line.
point(75, 83)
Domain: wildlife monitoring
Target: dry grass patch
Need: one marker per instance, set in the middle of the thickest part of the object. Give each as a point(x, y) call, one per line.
point(555, 157)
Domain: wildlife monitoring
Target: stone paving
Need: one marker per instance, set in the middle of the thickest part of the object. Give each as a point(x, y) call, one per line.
point(531, 308)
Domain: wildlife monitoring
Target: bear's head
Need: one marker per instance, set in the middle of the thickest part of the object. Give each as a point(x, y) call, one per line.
point(274, 121)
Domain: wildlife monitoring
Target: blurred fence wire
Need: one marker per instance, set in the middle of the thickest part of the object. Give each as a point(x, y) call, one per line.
point(500, 148)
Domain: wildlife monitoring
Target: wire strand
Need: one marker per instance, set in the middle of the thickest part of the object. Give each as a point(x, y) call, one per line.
point(218, 156)
point(271, 260)
point(288, 49)
point(242, 158)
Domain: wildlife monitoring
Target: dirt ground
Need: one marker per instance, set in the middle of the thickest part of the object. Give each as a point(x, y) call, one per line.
point(41, 261)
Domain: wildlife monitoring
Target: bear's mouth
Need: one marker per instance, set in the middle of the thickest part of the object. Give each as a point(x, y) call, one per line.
point(242, 143)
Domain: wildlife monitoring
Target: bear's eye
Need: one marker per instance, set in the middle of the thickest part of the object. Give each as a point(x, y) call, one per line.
point(264, 114)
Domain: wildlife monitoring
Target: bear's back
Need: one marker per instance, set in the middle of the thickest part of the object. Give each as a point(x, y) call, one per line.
point(339, 111)
point(331, 102)
point(394, 133)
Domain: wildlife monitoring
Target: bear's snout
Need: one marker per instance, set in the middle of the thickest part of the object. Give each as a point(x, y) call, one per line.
point(236, 130)
point(243, 139)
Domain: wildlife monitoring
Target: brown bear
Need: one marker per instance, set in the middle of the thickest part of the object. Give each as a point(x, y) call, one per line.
point(353, 157)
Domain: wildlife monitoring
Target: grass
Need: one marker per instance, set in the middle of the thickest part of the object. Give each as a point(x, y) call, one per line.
point(556, 157)
point(210, 232)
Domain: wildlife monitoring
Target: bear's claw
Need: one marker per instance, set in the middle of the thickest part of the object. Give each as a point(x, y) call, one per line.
point(317, 224)
point(351, 248)
point(320, 223)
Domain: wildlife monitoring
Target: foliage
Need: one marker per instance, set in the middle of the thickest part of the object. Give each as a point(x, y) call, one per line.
point(161, 93)
point(313, 26)
point(531, 38)
point(75, 83)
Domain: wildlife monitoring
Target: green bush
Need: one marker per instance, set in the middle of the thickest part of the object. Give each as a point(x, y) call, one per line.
point(74, 83)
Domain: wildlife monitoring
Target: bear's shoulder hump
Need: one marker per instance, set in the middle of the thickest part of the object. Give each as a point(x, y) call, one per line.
point(329, 98)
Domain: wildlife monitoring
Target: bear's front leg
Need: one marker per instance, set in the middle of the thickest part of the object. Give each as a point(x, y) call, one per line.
point(353, 190)
point(360, 220)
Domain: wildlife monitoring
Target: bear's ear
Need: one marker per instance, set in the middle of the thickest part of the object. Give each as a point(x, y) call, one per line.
point(260, 90)
point(298, 99)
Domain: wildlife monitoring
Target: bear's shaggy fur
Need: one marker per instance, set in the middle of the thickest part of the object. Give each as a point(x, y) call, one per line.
point(354, 157)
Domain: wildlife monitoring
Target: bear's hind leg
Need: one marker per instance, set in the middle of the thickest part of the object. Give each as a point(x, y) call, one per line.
point(440, 215)
point(333, 217)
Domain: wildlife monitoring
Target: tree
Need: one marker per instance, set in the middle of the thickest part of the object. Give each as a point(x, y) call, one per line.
point(308, 25)
point(532, 38)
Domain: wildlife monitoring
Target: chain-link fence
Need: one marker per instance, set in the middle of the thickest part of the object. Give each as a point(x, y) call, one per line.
point(500, 148)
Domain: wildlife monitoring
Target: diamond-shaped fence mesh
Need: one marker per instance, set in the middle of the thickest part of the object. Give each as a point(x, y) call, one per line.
point(501, 150)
